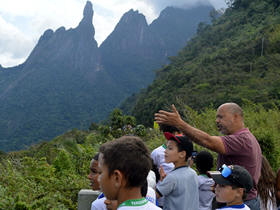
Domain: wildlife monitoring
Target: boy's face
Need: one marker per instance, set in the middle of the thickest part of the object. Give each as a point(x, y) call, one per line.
point(171, 153)
point(93, 175)
point(225, 194)
point(108, 184)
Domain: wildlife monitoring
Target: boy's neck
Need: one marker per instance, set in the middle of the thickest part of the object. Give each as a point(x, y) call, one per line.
point(129, 194)
point(238, 202)
point(178, 164)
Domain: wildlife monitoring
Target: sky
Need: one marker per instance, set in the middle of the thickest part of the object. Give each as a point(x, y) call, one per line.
point(22, 22)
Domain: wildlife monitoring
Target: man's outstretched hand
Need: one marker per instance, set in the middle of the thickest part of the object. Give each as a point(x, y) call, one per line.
point(168, 118)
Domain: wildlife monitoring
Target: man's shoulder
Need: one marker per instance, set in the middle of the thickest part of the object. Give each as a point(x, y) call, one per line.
point(242, 135)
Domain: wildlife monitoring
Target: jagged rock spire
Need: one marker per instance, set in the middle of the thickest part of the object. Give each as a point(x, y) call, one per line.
point(86, 22)
point(88, 13)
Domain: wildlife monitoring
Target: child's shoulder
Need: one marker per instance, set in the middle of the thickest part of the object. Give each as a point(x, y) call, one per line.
point(146, 206)
point(235, 207)
point(183, 172)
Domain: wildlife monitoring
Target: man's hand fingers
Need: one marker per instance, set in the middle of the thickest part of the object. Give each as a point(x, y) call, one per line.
point(174, 109)
point(164, 112)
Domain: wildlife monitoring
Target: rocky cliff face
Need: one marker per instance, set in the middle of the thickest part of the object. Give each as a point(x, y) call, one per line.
point(77, 47)
point(68, 82)
point(144, 48)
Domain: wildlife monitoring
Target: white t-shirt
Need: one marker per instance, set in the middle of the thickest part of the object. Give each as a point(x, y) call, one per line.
point(98, 204)
point(159, 160)
point(151, 195)
point(151, 179)
point(138, 204)
point(235, 207)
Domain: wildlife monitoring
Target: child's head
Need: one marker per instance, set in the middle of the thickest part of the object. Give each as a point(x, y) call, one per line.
point(94, 173)
point(204, 162)
point(168, 128)
point(178, 147)
point(233, 184)
point(124, 163)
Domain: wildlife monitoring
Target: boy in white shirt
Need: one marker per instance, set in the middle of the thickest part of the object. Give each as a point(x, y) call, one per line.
point(233, 184)
point(124, 164)
point(97, 204)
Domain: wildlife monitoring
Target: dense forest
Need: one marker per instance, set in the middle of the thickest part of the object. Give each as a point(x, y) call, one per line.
point(236, 58)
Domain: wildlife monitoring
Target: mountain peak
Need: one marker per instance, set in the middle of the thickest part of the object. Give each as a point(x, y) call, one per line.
point(133, 17)
point(86, 22)
point(88, 12)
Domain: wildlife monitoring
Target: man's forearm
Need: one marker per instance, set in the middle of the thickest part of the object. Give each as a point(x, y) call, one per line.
point(202, 138)
point(198, 136)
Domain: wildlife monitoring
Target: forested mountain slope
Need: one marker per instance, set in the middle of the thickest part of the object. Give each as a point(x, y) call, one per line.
point(236, 58)
point(68, 81)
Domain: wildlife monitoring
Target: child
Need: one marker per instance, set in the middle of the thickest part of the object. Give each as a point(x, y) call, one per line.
point(98, 204)
point(158, 157)
point(124, 164)
point(180, 186)
point(150, 196)
point(266, 186)
point(204, 163)
point(233, 184)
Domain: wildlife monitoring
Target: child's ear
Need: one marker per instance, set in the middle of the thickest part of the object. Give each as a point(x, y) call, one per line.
point(240, 192)
point(182, 154)
point(118, 178)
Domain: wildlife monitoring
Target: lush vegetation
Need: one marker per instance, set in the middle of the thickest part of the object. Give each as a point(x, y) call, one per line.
point(49, 175)
point(236, 58)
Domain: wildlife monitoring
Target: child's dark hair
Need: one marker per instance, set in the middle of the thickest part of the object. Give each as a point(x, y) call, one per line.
point(168, 128)
point(155, 169)
point(267, 183)
point(95, 157)
point(144, 189)
point(129, 155)
point(204, 162)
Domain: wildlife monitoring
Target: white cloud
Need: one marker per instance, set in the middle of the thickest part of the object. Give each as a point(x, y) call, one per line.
point(22, 22)
point(15, 45)
point(9, 59)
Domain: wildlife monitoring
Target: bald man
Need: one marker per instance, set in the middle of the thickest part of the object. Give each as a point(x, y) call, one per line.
point(238, 146)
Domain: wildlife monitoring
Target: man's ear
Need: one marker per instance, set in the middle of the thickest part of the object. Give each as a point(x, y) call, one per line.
point(118, 178)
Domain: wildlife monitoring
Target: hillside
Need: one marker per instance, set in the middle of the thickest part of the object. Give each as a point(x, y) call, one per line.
point(68, 81)
point(236, 58)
